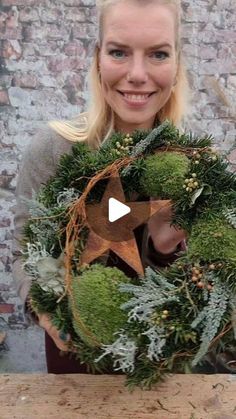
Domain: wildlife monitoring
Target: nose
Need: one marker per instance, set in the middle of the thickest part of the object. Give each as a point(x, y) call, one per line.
point(137, 72)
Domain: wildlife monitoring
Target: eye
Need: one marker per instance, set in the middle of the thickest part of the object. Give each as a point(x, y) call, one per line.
point(117, 53)
point(160, 55)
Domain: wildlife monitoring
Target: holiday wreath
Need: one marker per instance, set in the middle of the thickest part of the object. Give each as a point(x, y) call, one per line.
point(164, 320)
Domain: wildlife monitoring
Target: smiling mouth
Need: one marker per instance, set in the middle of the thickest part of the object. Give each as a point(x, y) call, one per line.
point(136, 97)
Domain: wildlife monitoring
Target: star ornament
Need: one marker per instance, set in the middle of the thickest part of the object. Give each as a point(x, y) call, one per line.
point(117, 236)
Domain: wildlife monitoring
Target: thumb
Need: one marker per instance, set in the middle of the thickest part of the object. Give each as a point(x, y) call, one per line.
point(60, 338)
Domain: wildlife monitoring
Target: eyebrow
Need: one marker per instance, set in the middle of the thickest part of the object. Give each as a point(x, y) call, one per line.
point(157, 46)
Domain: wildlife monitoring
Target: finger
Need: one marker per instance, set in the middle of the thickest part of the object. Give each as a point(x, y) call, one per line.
point(61, 340)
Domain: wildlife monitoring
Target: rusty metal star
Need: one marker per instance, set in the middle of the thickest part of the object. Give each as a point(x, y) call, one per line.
point(117, 236)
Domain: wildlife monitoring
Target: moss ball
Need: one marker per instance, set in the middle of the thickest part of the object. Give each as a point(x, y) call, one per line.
point(212, 239)
point(164, 175)
point(97, 303)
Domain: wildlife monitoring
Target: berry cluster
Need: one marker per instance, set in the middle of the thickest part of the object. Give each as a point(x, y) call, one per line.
point(125, 146)
point(197, 278)
point(191, 183)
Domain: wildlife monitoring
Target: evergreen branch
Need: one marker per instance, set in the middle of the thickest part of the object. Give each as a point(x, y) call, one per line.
point(230, 216)
point(123, 352)
point(211, 318)
point(154, 292)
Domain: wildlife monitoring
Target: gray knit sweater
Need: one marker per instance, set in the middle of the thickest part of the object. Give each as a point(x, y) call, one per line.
point(38, 165)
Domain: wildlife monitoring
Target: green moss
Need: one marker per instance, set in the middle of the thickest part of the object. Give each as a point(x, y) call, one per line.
point(97, 302)
point(164, 175)
point(212, 239)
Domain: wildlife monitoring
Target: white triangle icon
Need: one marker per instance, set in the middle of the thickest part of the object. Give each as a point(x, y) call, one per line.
point(117, 210)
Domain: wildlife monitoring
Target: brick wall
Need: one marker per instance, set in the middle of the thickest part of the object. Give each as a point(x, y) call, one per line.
point(45, 50)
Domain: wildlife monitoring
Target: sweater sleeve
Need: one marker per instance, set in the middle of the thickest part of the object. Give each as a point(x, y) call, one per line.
point(38, 165)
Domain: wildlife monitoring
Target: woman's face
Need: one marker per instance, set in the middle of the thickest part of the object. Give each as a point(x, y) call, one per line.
point(137, 61)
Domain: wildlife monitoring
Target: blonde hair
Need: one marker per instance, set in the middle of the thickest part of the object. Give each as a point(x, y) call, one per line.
point(97, 124)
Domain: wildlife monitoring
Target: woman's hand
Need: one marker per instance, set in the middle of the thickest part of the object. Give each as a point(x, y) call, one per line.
point(165, 237)
point(60, 339)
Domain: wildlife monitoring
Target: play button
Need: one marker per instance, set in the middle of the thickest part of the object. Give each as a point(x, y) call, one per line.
point(113, 218)
point(116, 210)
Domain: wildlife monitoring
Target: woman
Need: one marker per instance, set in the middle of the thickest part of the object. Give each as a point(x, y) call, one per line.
point(137, 81)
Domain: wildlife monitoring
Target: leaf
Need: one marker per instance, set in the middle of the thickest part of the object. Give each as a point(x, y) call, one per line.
point(205, 190)
point(196, 195)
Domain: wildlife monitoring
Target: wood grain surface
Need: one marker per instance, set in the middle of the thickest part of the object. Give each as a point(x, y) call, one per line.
point(47, 396)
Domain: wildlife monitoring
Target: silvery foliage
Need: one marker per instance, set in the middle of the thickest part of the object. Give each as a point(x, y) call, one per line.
point(35, 252)
point(154, 292)
point(46, 227)
point(157, 338)
point(122, 351)
point(51, 274)
point(66, 197)
point(142, 145)
point(48, 271)
point(230, 215)
point(211, 316)
point(35, 207)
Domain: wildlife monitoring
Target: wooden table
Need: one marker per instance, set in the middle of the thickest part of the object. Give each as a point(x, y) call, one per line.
point(47, 396)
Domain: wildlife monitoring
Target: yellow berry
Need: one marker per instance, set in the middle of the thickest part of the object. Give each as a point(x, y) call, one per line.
point(196, 161)
point(166, 312)
point(194, 175)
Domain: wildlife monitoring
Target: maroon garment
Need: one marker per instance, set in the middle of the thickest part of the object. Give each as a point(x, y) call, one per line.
point(59, 362)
